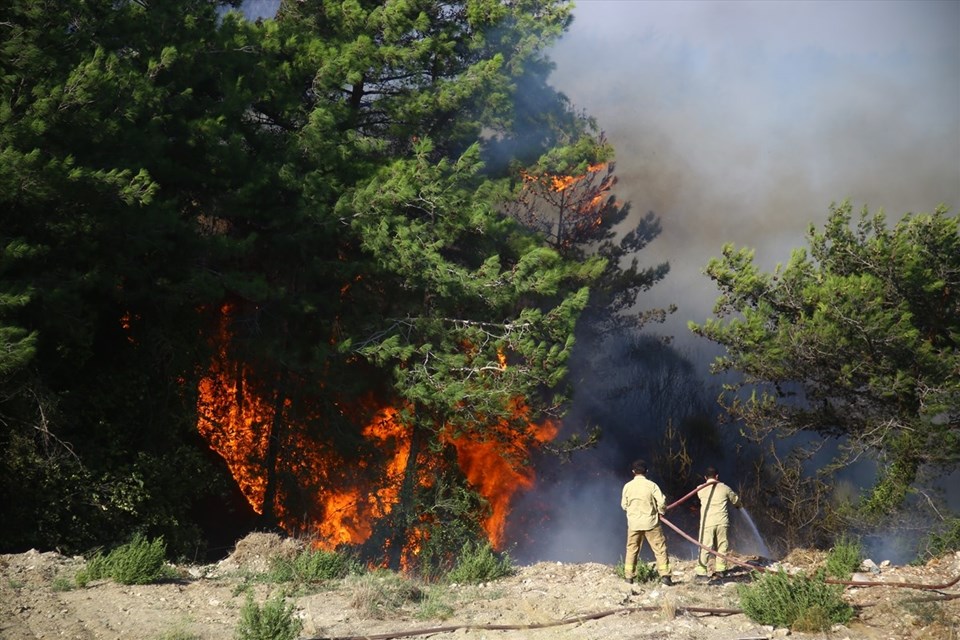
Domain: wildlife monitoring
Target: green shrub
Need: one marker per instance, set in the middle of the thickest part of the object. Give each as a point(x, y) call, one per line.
point(844, 558)
point(434, 604)
point(939, 543)
point(797, 602)
point(62, 583)
point(644, 572)
point(137, 562)
point(312, 565)
point(480, 563)
point(274, 621)
point(382, 593)
point(812, 619)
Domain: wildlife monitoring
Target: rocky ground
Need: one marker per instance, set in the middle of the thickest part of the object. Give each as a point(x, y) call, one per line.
point(39, 599)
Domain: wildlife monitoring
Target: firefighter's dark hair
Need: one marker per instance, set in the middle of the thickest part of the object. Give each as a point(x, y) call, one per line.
point(639, 466)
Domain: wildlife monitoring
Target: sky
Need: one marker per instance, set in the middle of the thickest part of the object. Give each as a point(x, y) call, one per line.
point(742, 122)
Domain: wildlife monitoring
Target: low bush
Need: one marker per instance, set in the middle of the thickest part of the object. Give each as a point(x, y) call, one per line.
point(62, 583)
point(140, 561)
point(480, 563)
point(435, 604)
point(275, 620)
point(312, 565)
point(644, 572)
point(942, 541)
point(381, 594)
point(796, 602)
point(844, 558)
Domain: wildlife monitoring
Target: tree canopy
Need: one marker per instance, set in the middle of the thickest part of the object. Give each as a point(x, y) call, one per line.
point(854, 338)
point(317, 210)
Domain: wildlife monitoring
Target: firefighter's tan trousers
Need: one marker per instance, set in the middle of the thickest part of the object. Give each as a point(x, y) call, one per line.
point(657, 543)
point(715, 538)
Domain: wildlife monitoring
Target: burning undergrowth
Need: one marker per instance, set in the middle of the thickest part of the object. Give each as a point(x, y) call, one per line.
point(359, 472)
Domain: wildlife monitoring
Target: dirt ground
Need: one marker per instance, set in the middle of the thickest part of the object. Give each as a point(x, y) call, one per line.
point(39, 599)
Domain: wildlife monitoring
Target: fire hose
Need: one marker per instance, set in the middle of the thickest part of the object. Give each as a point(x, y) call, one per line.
point(517, 627)
point(753, 567)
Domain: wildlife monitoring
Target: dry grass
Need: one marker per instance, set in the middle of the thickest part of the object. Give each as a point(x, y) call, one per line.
point(382, 594)
point(810, 559)
point(668, 608)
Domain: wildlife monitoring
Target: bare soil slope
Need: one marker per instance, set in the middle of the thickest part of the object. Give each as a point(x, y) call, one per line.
point(38, 599)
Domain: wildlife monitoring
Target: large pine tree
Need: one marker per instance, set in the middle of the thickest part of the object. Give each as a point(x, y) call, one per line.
point(315, 203)
point(853, 339)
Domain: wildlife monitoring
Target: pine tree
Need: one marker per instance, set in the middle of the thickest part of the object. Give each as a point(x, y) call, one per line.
point(855, 339)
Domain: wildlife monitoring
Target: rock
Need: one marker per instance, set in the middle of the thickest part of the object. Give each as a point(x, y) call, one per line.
point(869, 565)
point(196, 572)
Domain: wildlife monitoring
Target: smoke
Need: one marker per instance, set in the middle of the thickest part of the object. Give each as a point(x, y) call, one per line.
point(254, 9)
point(742, 121)
point(638, 390)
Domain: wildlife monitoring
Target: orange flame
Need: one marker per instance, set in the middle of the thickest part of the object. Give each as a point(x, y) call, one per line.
point(568, 207)
point(493, 474)
point(341, 500)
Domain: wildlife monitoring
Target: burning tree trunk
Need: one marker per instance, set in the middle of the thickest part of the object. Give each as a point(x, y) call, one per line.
point(271, 460)
point(405, 510)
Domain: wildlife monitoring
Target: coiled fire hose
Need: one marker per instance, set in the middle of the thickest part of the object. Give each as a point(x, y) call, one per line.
point(753, 567)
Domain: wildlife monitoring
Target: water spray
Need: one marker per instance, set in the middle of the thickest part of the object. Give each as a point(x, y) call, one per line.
point(764, 550)
point(755, 567)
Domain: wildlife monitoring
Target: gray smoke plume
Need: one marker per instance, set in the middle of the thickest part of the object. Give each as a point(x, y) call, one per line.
point(739, 122)
point(742, 121)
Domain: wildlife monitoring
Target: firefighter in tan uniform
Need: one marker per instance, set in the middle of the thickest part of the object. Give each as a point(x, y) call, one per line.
point(644, 503)
point(715, 500)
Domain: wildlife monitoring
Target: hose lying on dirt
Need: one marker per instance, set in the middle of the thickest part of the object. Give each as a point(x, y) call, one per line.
point(520, 627)
point(569, 620)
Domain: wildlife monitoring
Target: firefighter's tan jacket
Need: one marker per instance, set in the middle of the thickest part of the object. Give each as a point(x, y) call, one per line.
point(715, 499)
point(644, 503)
